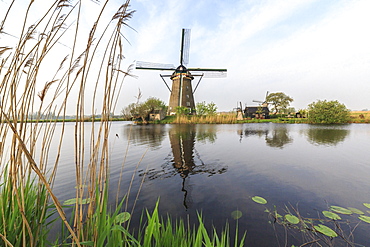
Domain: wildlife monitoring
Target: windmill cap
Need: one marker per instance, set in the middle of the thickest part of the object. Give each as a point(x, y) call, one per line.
point(181, 69)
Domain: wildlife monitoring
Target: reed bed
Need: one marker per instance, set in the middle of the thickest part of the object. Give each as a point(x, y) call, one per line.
point(208, 119)
point(92, 63)
point(360, 116)
point(53, 69)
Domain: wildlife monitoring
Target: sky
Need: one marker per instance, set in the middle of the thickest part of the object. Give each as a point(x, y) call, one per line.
point(308, 49)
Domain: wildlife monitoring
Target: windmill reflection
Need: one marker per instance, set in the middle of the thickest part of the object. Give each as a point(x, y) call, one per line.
point(185, 159)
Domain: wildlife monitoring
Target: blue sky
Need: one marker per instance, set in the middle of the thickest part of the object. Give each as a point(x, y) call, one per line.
point(309, 49)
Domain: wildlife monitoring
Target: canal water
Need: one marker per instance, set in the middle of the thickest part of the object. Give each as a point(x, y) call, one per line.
point(216, 169)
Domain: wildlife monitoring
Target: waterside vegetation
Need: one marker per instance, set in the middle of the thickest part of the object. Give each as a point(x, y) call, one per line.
point(28, 203)
point(333, 226)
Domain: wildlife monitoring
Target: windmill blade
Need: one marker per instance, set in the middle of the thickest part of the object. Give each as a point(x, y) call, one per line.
point(154, 66)
point(209, 73)
point(185, 46)
point(207, 69)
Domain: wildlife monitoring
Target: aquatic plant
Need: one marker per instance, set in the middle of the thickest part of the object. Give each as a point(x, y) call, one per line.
point(329, 228)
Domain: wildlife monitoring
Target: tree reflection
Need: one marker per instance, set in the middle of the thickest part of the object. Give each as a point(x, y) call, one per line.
point(279, 137)
point(326, 136)
point(252, 132)
point(151, 135)
point(206, 133)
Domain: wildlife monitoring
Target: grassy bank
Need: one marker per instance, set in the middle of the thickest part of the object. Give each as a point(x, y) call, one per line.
point(223, 119)
point(356, 117)
point(360, 116)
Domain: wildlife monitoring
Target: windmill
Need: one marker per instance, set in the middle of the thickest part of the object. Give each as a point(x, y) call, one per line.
point(182, 93)
point(263, 103)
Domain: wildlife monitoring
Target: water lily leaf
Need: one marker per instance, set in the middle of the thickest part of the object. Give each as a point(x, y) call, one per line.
point(73, 201)
point(364, 218)
point(259, 199)
point(122, 217)
point(292, 219)
point(236, 214)
point(355, 210)
point(331, 215)
point(326, 231)
point(366, 204)
point(340, 210)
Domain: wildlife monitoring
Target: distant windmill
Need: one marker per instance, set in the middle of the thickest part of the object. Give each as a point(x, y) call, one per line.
point(182, 93)
point(263, 103)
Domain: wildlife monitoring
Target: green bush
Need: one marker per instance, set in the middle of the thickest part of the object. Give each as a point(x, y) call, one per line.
point(328, 112)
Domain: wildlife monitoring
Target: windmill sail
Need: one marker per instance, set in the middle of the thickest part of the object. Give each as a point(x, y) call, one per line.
point(154, 66)
point(185, 47)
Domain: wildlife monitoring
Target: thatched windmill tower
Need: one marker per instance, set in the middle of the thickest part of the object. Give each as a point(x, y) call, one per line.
point(182, 93)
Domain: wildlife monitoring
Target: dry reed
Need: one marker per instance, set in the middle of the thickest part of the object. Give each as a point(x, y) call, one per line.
point(208, 119)
point(23, 91)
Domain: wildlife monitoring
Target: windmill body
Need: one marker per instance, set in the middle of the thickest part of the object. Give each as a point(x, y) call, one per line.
point(182, 90)
point(182, 93)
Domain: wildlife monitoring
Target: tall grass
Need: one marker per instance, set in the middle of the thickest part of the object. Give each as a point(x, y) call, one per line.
point(208, 119)
point(28, 86)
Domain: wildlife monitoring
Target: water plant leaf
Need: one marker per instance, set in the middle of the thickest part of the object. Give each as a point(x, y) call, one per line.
point(236, 214)
point(326, 231)
point(122, 217)
point(73, 201)
point(340, 210)
point(331, 215)
point(366, 204)
point(259, 199)
point(292, 219)
point(355, 210)
point(364, 218)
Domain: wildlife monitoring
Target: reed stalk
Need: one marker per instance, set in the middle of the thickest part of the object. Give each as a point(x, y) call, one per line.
point(26, 147)
point(30, 90)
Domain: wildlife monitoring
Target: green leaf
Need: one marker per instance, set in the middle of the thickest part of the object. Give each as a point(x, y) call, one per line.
point(340, 210)
point(259, 199)
point(122, 217)
point(355, 210)
point(326, 231)
point(292, 219)
point(73, 201)
point(236, 214)
point(366, 204)
point(331, 215)
point(364, 218)
point(87, 243)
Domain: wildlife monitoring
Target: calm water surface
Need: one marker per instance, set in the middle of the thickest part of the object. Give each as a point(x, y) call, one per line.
point(216, 169)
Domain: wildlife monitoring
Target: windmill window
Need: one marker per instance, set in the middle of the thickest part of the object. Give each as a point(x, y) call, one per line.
point(187, 103)
point(187, 96)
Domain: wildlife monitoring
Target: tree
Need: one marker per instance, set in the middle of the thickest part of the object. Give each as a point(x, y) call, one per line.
point(280, 101)
point(153, 103)
point(328, 112)
point(182, 110)
point(142, 110)
point(206, 109)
